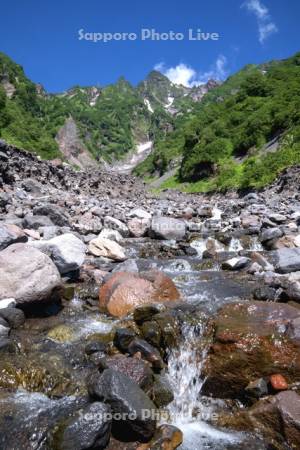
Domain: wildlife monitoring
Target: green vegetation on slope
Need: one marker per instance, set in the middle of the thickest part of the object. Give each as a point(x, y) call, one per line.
point(22, 120)
point(223, 142)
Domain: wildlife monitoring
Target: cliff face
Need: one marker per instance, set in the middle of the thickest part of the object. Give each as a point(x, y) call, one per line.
point(72, 147)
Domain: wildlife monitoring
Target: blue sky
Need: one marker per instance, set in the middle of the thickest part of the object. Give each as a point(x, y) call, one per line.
point(43, 38)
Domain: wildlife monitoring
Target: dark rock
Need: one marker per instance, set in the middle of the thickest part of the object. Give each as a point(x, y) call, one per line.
point(134, 368)
point(87, 429)
point(125, 397)
point(236, 263)
point(162, 392)
point(94, 346)
point(35, 222)
point(123, 337)
point(145, 312)
point(151, 333)
point(148, 352)
point(257, 388)
point(54, 212)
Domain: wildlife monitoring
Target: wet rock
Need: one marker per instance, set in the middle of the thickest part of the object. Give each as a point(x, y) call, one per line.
point(124, 291)
point(14, 316)
point(166, 437)
point(55, 213)
point(123, 337)
point(148, 352)
point(11, 234)
point(146, 312)
point(35, 222)
point(27, 275)
point(276, 418)
point(115, 224)
point(167, 228)
point(237, 263)
point(124, 397)
point(162, 392)
point(94, 347)
point(287, 260)
point(151, 332)
point(134, 368)
point(87, 429)
point(251, 342)
point(106, 248)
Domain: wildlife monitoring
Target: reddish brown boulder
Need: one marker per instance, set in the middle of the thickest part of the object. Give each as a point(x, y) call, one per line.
point(251, 341)
point(124, 291)
point(276, 418)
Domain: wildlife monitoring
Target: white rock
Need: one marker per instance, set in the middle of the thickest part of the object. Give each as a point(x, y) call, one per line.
point(113, 235)
point(107, 248)
point(67, 252)
point(140, 213)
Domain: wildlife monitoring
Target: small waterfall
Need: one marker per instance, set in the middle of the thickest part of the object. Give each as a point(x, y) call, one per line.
point(184, 367)
point(189, 411)
point(235, 245)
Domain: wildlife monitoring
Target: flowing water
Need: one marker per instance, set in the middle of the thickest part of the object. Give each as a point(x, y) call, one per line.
point(190, 411)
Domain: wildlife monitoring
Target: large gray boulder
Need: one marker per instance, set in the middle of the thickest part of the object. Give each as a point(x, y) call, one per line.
point(67, 252)
point(11, 234)
point(125, 397)
point(167, 228)
point(27, 275)
point(287, 260)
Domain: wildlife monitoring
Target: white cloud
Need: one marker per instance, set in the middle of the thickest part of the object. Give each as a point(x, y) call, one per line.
point(266, 26)
point(187, 76)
